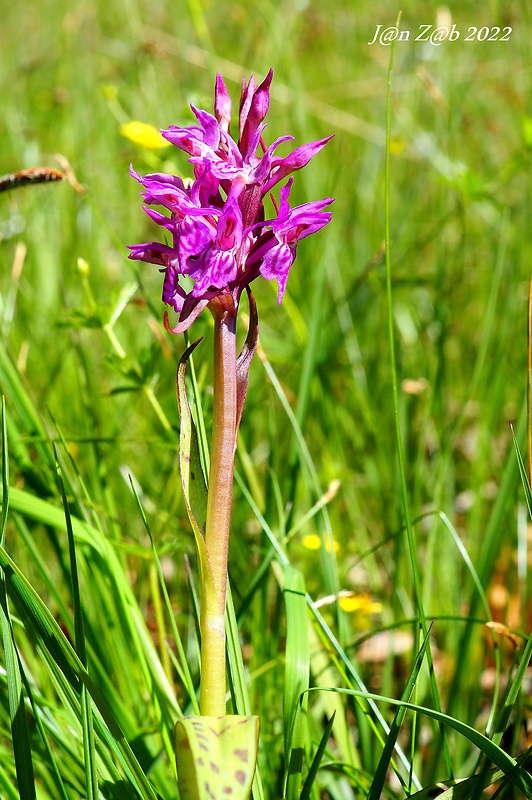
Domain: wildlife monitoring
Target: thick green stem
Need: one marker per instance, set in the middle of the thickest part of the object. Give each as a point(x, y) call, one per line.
point(213, 682)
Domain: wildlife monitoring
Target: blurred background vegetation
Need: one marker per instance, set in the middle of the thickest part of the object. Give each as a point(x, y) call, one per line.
point(71, 74)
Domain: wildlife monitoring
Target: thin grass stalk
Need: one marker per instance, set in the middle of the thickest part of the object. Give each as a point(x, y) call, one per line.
point(490, 547)
point(412, 548)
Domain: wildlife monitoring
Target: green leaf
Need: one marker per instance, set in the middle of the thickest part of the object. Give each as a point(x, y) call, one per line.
point(46, 632)
point(125, 367)
point(381, 770)
point(460, 789)
point(43, 511)
point(17, 711)
point(60, 791)
point(511, 768)
point(148, 358)
point(192, 477)
point(77, 318)
point(523, 473)
point(91, 779)
point(8, 791)
point(314, 767)
point(124, 296)
point(296, 679)
point(216, 756)
point(324, 631)
point(181, 664)
point(18, 396)
point(514, 689)
point(5, 476)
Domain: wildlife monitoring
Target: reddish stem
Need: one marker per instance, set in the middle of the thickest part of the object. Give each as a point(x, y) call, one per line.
point(213, 680)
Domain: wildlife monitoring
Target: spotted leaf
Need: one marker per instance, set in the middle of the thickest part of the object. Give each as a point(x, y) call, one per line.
point(216, 756)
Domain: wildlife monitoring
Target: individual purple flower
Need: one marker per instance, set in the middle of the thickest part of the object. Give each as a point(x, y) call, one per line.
point(290, 225)
point(217, 227)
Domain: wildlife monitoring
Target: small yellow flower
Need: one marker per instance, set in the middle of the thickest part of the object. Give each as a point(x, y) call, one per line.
point(359, 602)
point(313, 542)
point(397, 145)
point(526, 126)
point(110, 91)
point(144, 134)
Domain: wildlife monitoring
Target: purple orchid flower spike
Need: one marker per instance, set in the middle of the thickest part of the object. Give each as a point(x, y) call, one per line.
point(219, 236)
point(216, 225)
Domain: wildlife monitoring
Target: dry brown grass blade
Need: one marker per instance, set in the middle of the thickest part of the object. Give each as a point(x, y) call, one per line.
point(24, 177)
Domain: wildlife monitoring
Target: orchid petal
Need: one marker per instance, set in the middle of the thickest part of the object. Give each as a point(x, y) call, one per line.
point(209, 125)
point(298, 159)
point(276, 266)
point(152, 253)
point(219, 269)
point(173, 294)
point(257, 110)
point(195, 236)
point(222, 104)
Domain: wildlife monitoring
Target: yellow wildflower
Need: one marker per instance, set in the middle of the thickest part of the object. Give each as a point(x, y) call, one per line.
point(144, 134)
point(313, 542)
point(359, 602)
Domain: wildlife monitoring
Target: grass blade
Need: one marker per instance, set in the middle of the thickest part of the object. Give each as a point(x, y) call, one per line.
point(456, 789)
point(237, 678)
point(59, 784)
point(519, 776)
point(400, 449)
point(297, 673)
point(17, 711)
point(325, 632)
point(46, 632)
point(5, 476)
point(384, 761)
point(91, 777)
point(315, 765)
point(522, 473)
point(181, 664)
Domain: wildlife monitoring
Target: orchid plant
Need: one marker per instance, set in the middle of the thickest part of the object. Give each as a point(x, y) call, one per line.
point(221, 238)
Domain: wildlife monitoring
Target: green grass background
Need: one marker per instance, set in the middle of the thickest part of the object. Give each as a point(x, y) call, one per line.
point(461, 144)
